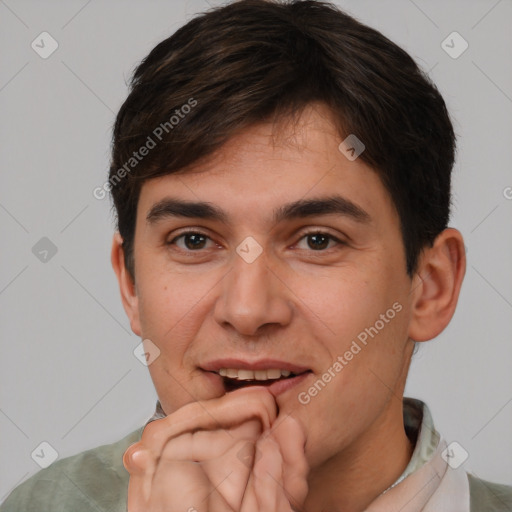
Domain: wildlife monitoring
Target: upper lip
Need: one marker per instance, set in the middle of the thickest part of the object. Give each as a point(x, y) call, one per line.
point(260, 364)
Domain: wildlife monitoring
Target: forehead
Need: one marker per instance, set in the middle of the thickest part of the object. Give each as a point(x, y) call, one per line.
point(266, 166)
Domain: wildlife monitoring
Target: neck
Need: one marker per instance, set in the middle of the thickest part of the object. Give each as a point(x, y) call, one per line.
point(353, 478)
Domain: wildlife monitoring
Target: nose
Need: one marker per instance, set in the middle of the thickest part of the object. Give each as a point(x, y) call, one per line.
point(253, 296)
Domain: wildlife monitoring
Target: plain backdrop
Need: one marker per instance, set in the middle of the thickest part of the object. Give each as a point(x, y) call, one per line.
point(68, 373)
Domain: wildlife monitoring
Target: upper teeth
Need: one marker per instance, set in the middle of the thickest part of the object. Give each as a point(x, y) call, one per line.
point(253, 375)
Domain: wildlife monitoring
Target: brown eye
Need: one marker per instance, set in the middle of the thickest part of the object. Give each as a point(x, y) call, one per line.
point(319, 241)
point(191, 241)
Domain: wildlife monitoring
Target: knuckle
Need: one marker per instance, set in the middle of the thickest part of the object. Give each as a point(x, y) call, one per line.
point(136, 459)
point(128, 457)
point(153, 434)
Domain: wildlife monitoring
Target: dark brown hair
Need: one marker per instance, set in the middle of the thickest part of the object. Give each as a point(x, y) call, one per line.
point(256, 60)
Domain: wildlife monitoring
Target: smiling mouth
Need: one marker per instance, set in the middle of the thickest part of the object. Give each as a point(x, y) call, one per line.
point(240, 378)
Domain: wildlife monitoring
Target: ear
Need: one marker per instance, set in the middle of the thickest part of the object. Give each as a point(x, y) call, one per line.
point(126, 284)
point(436, 285)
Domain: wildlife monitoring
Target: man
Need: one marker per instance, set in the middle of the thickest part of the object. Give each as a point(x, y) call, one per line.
point(281, 177)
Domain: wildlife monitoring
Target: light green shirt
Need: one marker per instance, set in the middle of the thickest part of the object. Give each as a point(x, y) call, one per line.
point(96, 480)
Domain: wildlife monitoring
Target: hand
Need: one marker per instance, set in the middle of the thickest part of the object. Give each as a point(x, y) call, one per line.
point(190, 459)
point(278, 481)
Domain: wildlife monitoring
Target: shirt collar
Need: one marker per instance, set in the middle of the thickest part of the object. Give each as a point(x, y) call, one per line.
point(419, 427)
point(428, 483)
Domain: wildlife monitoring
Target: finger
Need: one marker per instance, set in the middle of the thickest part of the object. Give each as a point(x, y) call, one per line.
point(265, 489)
point(216, 503)
point(229, 473)
point(180, 485)
point(254, 403)
point(219, 482)
point(139, 488)
point(142, 460)
point(210, 444)
point(291, 438)
point(226, 458)
point(175, 485)
point(227, 411)
point(199, 446)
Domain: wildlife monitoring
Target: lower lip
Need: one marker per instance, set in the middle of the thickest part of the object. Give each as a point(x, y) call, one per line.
point(277, 388)
point(281, 386)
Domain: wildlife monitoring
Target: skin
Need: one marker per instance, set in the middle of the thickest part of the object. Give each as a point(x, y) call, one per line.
point(192, 459)
point(294, 302)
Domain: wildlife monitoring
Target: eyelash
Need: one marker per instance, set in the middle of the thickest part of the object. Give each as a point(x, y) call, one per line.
point(303, 235)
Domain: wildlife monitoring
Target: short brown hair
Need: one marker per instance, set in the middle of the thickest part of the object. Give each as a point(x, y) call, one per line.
point(256, 60)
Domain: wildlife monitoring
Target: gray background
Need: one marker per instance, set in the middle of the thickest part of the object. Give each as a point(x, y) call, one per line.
point(68, 373)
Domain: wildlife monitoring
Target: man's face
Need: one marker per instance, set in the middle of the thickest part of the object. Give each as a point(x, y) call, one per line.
point(291, 297)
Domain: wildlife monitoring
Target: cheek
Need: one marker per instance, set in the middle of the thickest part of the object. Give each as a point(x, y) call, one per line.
point(155, 306)
point(173, 307)
point(345, 303)
point(162, 315)
point(360, 391)
point(164, 295)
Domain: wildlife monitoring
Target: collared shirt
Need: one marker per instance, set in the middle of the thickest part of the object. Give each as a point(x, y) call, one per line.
point(433, 481)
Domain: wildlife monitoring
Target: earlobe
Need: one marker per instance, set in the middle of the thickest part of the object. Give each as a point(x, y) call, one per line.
point(126, 285)
point(436, 285)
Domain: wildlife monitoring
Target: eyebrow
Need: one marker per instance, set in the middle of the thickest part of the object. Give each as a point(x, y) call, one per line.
point(303, 208)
